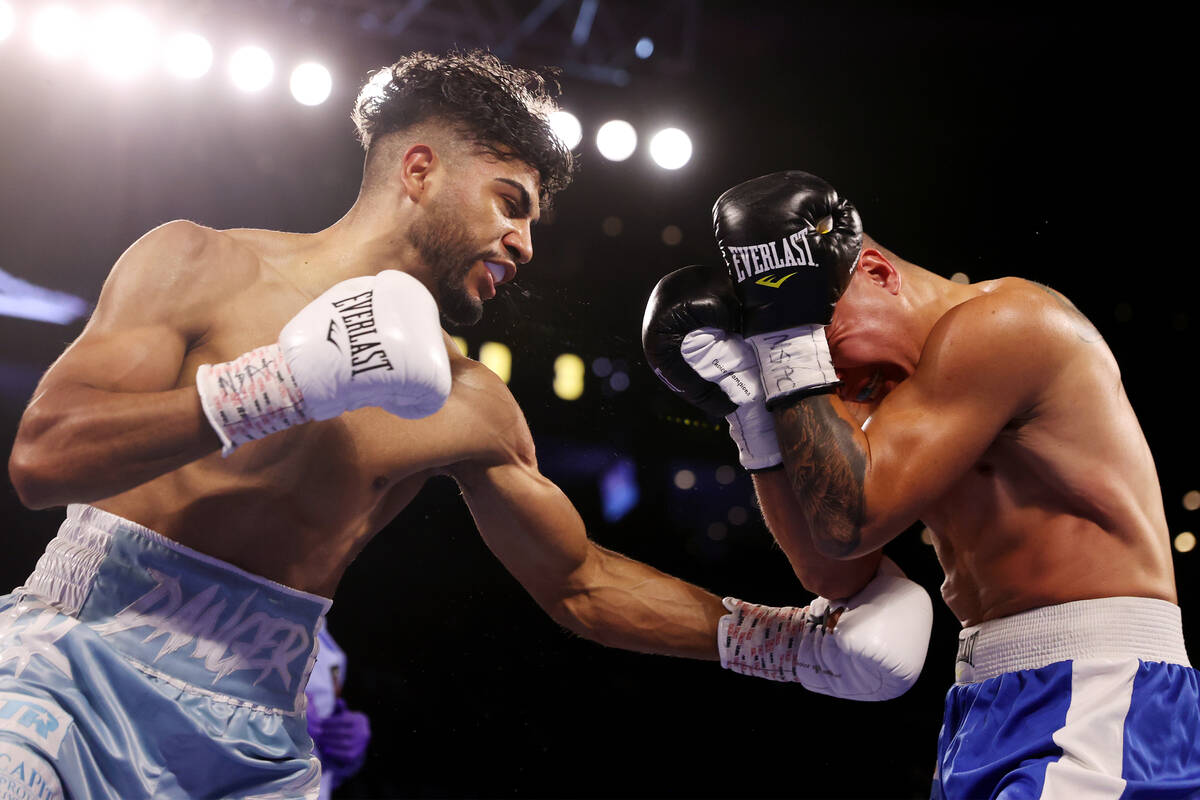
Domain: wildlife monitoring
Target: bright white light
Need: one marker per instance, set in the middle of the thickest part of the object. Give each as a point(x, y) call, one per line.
point(58, 31)
point(644, 47)
point(616, 140)
point(189, 55)
point(671, 148)
point(567, 128)
point(311, 84)
point(8, 20)
point(251, 69)
point(123, 44)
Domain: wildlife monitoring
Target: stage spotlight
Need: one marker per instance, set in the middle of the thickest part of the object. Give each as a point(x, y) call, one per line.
point(671, 148)
point(8, 20)
point(616, 140)
point(123, 44)
point(498, 358)
point(566, 126)
point(251, 69)
point(311, 84)
point(644, 47)
point(188, 55)
point(568, 376)
point(58, 31)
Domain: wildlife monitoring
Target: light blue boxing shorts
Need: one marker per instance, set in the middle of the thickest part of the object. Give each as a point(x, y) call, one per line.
point(133, 667)
point(1090, 700)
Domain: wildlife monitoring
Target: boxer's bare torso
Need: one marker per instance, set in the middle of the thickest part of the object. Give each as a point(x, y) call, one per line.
point(1064, 503)
point(298, 506)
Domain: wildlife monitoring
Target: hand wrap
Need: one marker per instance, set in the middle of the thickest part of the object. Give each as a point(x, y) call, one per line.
point(873, 650)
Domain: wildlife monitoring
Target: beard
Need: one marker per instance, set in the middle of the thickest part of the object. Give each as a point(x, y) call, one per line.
point(445, 246)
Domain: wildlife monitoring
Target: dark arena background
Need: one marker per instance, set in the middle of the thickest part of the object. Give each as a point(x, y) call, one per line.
point(976, 139)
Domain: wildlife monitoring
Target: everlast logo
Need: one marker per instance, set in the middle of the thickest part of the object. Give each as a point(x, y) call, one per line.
point(755, 259)
point(359, 318)
point(966, 649)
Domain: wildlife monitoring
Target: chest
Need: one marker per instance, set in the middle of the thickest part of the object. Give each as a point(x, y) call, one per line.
point(358, 454)
point(994, 488)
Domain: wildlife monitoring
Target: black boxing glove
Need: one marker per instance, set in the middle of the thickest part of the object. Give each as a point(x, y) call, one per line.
point(790, 244)
point(687, 339)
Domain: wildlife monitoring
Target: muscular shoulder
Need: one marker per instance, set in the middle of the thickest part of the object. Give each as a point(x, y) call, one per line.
point(183, 254)
point(1014, 316)
point(1009, 343)
point(172, 272)
point(484, 415)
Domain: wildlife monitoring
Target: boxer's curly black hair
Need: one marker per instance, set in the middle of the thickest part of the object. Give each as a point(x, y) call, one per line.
point(501, 109)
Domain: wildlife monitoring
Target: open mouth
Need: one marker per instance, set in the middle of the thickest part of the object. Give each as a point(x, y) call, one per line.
point(867, 392)
point(500, 272)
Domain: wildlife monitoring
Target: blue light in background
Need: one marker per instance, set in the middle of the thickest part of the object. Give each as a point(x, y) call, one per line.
point(619, 489)
point(22, 299)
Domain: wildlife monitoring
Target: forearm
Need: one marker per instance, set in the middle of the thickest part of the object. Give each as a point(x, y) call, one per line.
point(826, 458)
point(537, 534)
point(78, 444)
point(820, 574)
point(624, 603)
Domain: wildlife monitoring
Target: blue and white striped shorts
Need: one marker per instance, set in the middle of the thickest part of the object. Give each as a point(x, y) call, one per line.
point(1089, 700)
point(133, 667)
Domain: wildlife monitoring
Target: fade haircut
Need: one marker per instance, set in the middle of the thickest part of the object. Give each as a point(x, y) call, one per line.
point(499, 109)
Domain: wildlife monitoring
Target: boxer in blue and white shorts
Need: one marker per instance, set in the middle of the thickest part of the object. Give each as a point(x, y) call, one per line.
point(867, 393)
point(141, 668)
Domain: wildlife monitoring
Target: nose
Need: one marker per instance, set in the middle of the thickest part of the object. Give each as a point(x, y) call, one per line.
point(519, 242)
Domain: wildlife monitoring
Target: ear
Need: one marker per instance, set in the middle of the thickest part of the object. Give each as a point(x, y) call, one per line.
point(417, 166)
point(877, 269)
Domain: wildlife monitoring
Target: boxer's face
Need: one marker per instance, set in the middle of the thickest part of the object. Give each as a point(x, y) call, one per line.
point(476, 230)
point(867, 343)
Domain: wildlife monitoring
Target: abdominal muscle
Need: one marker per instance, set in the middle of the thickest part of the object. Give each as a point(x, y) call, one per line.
point(295, 508)
point(1009, 539)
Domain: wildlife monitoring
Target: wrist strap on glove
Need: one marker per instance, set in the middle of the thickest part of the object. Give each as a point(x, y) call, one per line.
point(724, 359)
point(794, 361)
point(250, 397)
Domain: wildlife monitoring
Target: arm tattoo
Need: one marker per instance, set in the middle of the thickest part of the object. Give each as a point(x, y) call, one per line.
point(827, 469)
point(1084, 328)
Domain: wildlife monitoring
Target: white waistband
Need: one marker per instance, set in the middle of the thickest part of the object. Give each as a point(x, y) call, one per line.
point(1110, 627)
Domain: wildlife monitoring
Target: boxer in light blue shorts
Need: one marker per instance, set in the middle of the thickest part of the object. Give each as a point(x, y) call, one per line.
point(133, 667)
point(1088, 700)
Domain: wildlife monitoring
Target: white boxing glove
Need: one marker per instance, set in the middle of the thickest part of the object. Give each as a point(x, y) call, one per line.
point(874, 650)
point(725, 359)
point(369, 341)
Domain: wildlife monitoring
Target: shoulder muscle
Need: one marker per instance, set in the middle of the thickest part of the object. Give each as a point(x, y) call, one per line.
point(170, 276)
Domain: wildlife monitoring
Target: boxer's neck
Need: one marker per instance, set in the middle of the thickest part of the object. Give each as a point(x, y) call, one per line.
point(372, 236)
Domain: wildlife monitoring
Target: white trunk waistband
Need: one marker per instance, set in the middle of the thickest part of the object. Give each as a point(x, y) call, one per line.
point(1110, 627)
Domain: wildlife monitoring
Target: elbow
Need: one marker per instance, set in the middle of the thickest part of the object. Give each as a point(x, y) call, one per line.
point(574, 612)
point(839, 579)
point(569, 611)
point(829, 585)
point(27, 472)
point(853, 537)
point(839, 547)
point(35, 465)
